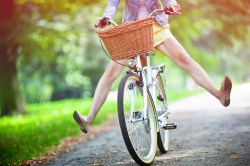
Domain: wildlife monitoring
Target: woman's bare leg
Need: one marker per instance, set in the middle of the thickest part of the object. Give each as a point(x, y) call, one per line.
point(109, 76)
point(173, 49)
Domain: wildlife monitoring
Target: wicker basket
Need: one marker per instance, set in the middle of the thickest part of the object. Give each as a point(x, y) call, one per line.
point(129, 39)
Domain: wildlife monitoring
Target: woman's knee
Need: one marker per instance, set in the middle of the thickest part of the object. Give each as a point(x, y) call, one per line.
point(184, 59)
point(113, 71)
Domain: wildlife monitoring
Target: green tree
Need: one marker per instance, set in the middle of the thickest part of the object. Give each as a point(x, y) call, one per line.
point(18, 19)
point(9, 91)
point(216, 32)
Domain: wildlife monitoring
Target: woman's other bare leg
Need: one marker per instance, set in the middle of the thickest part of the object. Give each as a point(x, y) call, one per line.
point(174, 50)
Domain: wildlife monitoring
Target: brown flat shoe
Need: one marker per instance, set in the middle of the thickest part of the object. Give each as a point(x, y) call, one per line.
point(225, 91)
point(80, 121)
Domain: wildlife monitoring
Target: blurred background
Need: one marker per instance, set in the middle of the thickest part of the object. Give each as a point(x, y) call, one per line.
point(49, 51)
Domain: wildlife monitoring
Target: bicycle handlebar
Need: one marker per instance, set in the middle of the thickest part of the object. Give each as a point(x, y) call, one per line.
point(167, 11)
point(106, 21)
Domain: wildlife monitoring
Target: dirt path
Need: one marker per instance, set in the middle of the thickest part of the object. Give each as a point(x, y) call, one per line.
point(207, 134)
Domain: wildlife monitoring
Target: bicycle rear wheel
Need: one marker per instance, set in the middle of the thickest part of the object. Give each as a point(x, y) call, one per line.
point(139, 132)
point(161, 109)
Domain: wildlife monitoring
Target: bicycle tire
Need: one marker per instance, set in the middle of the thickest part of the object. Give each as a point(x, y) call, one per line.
point(139, 134)
point(161, 106)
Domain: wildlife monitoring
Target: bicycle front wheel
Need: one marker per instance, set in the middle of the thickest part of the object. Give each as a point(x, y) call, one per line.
point(161, 109)
point(139, 132)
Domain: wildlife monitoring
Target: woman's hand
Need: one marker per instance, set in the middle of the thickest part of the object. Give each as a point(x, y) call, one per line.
point(176, 8)
point(101, 22)
point(97, 22)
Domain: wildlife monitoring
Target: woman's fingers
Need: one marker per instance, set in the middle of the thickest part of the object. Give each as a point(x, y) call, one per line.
point(175, 8)
point(97, 22)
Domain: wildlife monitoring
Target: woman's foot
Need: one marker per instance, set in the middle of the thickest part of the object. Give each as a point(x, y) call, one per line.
point(81, 121)
point(225, 91)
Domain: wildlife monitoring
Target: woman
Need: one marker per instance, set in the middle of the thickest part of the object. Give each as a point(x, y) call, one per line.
point(164, 42)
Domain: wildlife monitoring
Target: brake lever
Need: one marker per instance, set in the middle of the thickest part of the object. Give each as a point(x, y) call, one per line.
point(172, 13)
point(169, 11)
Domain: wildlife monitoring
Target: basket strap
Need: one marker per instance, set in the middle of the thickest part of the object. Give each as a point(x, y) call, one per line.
point(109, 55)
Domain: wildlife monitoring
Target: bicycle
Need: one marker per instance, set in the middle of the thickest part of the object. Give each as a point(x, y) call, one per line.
point(142, 102)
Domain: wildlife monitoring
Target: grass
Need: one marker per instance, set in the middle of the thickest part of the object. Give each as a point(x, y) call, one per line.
point(45, 124)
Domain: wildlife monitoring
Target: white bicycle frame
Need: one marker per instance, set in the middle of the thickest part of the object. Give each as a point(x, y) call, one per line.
point(149, 78)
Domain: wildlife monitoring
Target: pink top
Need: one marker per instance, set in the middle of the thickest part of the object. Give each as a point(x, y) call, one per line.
point(142, 11)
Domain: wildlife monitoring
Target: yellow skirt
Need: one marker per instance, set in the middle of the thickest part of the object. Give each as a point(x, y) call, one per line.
point(161, 33)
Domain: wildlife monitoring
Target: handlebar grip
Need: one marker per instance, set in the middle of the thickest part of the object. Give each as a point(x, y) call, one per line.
point(170, 11)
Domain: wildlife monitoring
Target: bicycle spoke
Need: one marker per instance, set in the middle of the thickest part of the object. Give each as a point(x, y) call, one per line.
point(161, 107)
point(139, 132)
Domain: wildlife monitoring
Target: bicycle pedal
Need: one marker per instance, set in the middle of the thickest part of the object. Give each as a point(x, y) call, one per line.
point(160, 98)
point(170, 126)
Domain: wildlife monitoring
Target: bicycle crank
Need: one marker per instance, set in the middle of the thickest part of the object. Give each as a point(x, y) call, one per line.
point(170, 126)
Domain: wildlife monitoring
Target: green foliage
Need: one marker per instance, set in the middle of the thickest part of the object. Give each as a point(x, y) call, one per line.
point(234, 16)
point(216, 36)
point(59, 54)
point(62, 48)
point(70, 48)
point(45, 124)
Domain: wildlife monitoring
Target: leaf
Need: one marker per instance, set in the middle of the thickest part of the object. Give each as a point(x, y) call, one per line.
point(234, 157)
